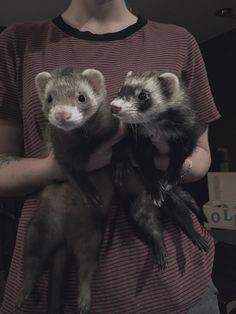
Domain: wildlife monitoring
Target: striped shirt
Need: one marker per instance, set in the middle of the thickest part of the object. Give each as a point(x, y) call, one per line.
point(126, 281)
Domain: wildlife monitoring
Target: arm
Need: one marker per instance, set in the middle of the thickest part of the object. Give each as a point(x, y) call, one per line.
point(195, 76)
point(196, 166)
point(200, 159)
point(20, 176)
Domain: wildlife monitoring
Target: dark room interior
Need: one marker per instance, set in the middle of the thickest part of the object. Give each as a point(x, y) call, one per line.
point(214, 26)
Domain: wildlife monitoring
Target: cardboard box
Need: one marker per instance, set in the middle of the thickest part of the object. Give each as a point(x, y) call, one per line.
point(221, 208)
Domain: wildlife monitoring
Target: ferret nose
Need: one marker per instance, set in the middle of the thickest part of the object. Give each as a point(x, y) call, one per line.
point(62, 116)
point(115, 109)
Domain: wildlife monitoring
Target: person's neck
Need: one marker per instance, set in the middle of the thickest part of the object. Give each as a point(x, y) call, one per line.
point(100, 16)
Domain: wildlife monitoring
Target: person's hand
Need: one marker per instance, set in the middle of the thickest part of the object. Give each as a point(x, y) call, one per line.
point(161, 161)
point(54, 170)
point(103, 154)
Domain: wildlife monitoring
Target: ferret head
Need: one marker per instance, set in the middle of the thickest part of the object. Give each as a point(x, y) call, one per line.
point(145, 95)
point(70, 97)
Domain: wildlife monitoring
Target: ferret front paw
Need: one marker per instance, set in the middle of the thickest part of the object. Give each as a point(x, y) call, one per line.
point(120, 172)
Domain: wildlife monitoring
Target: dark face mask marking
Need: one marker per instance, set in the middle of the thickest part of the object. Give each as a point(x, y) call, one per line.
point(144, 100)
point(143, 105)
point(127, 91)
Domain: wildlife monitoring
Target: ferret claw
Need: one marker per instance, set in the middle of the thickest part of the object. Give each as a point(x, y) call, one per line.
point(84, 305)
point(160, 258)
point(157, 198)
point(157, 202)
point(201, 243)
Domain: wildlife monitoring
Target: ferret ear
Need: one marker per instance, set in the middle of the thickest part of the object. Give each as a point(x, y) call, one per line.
point(170, 83)
point(41, 80)
point(96, 79)
point(129, 73)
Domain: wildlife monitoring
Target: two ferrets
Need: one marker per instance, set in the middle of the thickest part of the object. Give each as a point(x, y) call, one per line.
point(74, 103)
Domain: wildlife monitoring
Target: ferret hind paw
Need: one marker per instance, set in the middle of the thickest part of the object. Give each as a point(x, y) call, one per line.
point(201, 243)
point(21, 298)
point(84, 305)
point(160, 258)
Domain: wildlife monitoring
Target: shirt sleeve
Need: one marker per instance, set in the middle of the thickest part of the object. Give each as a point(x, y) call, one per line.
point(9, 96)
point(195, 76)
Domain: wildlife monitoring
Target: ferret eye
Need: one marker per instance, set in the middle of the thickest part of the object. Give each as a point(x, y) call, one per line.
point(49, 99)
point(81, 98)
point(142, 96)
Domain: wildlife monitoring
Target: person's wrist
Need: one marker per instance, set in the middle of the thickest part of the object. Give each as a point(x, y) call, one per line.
point(51, 170)
point(99, 160)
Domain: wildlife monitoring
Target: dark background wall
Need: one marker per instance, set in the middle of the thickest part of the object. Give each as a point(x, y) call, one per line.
point(220, 58)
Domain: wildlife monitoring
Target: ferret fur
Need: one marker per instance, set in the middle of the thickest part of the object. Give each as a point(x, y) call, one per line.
point(70, 216)
point(154, 103)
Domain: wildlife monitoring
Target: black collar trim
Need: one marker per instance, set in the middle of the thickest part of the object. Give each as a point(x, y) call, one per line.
point(59, 22)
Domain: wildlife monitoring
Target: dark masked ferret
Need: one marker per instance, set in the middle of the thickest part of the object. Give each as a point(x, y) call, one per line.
point(157, 103)
point(70, 216)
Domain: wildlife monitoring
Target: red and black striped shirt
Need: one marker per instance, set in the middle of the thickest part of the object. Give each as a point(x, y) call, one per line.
point(126, 281)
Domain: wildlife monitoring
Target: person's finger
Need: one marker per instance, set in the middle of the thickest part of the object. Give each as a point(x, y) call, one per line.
point(120, 134)
point(162, 146)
